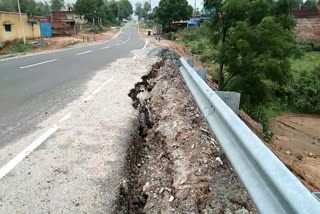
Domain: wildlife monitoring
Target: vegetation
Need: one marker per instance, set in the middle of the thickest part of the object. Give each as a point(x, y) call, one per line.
point(16, 47)
point(304, 5)
point(27, 6)
point(110, 12)
point(172, 10)
point(142, 11)
point(56, 5)
point(250, 48)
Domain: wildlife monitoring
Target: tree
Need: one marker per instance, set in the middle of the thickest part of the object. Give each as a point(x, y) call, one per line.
point(142, 12)
point(254, 42)
point(139, 10)
point(125, 9)
point(172, 10)
point(56, 5)
point(309, 5)
point(27, 6)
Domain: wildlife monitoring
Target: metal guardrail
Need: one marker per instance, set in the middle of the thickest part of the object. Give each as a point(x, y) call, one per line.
point(272, 187)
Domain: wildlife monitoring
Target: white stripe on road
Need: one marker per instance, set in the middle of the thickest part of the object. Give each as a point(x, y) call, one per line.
point(106, 47)
point(145, 45)
point(97, 90)
point(34, 145)
point(66, 117)
point(134, 57)
point(86, 52)
point(40, 63)
point(15, 161)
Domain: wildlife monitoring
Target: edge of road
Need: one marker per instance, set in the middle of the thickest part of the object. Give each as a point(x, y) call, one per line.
point(60, 50)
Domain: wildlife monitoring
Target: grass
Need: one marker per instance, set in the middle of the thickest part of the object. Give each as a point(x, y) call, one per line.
point(308, 61)
point(16, 47)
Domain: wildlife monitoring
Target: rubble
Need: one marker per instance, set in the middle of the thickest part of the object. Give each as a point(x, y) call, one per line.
point(176, 153)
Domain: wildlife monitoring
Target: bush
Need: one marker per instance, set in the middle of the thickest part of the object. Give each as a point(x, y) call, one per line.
point(20, 47)
point(305, 93)
point(172, 36)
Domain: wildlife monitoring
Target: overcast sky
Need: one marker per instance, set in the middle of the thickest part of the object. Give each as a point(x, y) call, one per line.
point(153, 2)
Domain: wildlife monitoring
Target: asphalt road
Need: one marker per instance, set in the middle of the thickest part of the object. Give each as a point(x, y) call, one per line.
point(66, 126)
point(33, 87)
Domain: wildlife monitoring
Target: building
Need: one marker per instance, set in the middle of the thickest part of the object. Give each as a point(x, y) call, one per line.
point(307, 25)
point(10, 29)
point(63, 23)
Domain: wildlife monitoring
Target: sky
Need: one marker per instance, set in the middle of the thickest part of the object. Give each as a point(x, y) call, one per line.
point(153, 2)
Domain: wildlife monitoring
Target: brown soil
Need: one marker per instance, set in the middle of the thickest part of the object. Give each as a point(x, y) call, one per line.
point(176, 170)
point(296, 142)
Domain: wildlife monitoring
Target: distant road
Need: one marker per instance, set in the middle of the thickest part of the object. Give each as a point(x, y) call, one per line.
point(32, 87)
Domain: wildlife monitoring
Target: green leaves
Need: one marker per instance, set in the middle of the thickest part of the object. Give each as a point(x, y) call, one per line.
point(254, 41)
point(172, 10)
point(106, 10)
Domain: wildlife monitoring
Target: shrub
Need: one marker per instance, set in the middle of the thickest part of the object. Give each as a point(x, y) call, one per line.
point(172, 36)
point(305, 95)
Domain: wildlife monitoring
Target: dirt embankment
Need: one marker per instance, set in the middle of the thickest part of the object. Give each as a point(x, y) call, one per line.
point(296, 142)
point(175, 167)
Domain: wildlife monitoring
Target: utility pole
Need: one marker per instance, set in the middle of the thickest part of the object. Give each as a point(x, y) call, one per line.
point(21, 23)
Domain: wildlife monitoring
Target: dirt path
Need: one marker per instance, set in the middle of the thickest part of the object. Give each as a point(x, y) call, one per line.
point(296, 142)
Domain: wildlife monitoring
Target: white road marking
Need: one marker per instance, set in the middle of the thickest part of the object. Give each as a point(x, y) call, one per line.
point(97, 90)
point(145, 45)
point(106, 47)
point(40, 63)
point(35, 144)
point(117, 44)
point(134, 57)
point(129, 37)
point(106, 82)
point(86, 52)
point(66, 117)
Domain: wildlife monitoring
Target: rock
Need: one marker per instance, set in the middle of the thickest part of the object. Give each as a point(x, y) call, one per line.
point(288, 152)
point(146, 187)
point(310, 155)
point(242, 211)
point(171, 198)
point(183, 181)
point(300, 157)
point(168, 189)
point(219, 161)
point(161, 190)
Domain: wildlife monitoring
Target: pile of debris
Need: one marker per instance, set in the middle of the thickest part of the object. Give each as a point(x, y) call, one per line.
point(176, 166)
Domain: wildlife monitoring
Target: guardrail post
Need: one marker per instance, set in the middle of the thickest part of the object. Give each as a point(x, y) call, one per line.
point(190, 61)
point(202, 72)
point(232, 99)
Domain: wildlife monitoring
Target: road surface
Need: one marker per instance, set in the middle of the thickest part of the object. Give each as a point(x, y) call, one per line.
point(65, 125)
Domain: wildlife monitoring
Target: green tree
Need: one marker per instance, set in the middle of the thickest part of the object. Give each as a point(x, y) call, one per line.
point(310, 4)
point(56, 5)
point(139, 10)
point(254, 42)
point(27, 6)
point(172, 10)
point(125, 9)
point(142, 12)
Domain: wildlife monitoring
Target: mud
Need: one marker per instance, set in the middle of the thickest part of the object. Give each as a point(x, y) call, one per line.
point(173, 166)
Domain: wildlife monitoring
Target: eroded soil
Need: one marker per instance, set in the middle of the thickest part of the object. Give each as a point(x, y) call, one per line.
point(296, 142)
point(177, 168)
